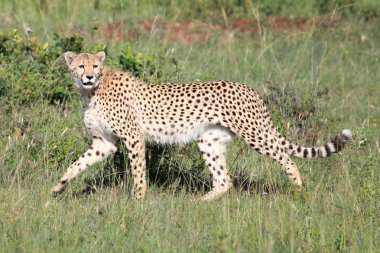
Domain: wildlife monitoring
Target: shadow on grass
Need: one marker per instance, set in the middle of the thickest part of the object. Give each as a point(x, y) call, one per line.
point(164, 171)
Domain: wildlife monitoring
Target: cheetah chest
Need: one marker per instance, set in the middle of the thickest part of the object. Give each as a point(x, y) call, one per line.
point(97, 124)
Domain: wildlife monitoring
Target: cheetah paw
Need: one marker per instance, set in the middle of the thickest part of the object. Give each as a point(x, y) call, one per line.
point(58, 189)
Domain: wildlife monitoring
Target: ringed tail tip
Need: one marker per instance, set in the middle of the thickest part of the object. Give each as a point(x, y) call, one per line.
point(347, 133)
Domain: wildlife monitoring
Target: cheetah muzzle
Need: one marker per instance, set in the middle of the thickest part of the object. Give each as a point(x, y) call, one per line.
point(117, 106)
point(88, 83)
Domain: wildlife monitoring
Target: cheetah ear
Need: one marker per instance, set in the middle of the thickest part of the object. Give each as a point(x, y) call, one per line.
point(69, 57)
point(101, 55)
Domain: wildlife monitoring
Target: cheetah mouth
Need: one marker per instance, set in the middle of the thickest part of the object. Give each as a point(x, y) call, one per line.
point(88, 83)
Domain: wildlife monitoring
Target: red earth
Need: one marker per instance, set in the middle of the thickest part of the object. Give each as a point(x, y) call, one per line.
point(195, 31)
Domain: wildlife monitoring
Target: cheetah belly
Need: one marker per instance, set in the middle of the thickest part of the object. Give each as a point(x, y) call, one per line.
point(173, 135)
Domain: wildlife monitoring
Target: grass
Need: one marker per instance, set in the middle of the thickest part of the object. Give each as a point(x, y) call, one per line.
point(330, 76)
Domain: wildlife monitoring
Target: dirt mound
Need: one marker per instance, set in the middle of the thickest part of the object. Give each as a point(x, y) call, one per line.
point(112, 31)
point(196, 31)
point(188, 31)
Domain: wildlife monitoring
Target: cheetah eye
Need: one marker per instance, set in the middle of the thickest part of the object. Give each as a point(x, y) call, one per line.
point(81, 66)
point(95, 66)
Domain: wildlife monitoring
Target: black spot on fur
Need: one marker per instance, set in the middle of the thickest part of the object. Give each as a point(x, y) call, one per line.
point(339, 142)
point(313, 152)
point(328, 150)
point(305, 153)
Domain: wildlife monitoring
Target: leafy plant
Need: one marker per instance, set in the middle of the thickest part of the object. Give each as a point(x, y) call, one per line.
point(142, 66)
point(73, 43)
point(32, 70)
point(290, 102)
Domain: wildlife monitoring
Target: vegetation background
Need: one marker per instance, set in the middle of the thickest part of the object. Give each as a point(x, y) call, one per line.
point(315, 62)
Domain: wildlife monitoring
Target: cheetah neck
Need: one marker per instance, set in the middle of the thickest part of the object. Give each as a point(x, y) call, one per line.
point(87, 97)
point(86, 100)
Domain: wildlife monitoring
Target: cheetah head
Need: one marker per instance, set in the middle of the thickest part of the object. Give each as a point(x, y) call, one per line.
point(86, 69)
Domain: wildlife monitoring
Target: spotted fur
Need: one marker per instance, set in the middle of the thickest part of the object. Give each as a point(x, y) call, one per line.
point(119, 106)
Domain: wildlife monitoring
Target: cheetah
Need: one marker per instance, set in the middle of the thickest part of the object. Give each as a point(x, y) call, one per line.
point(119, 106)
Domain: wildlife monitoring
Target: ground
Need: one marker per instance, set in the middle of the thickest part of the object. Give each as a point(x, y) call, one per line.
point(317, 82)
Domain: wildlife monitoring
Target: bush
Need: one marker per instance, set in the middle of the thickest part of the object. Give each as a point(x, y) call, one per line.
point(297, 101)
point(31, 70)
point(138, 64)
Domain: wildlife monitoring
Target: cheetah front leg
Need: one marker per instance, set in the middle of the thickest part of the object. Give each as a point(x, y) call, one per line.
point(99, 150)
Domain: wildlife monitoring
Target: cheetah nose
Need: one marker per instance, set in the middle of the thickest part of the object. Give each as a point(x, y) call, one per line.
point(89, 77)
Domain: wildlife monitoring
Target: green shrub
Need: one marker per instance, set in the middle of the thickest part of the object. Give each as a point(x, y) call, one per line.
point(140, 65)
point(73, 43)
point(290, 101)
point(33, 70)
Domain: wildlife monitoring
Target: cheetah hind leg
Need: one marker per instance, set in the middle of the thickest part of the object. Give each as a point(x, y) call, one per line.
point(212, 144)
point(271, 148)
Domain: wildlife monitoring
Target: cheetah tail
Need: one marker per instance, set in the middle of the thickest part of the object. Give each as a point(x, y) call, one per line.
point(333, 146)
